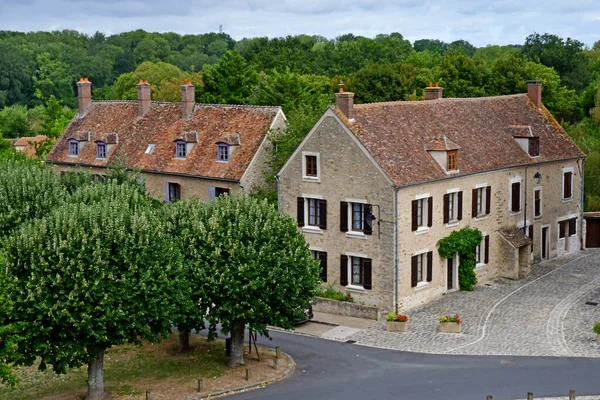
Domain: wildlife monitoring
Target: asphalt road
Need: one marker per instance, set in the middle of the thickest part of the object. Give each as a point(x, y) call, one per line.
point(333, 370)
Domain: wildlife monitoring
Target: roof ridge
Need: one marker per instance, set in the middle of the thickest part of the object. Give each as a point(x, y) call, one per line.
point(444, 100)
point(197, 104)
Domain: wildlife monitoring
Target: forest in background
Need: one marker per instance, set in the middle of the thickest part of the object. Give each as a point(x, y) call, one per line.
point(39, 71)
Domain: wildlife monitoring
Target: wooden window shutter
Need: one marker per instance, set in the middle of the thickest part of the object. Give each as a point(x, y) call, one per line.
point(430, 211)
point(344, 216)
point(300, 211)
point(531, 236)
point(344, 270)
point(414, 270)
point(460, 201)
point(415, 212)
point(488, 200)
point(446, 208)
point(430, 266)
point(474, 203)
point(367, 266)
point(534, 146)
point(486, 259)
point(568, 177)
point(572, 226)
point(323, 214)
point(515, 205)
point(368, 221)
point(561, 229)
point(323, 259)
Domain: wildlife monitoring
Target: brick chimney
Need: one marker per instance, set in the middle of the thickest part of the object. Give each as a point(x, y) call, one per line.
point(187, 99)
point(433, 92)
point(344, 101)
point(143, 88)
point(534, 92)
point(84, 94)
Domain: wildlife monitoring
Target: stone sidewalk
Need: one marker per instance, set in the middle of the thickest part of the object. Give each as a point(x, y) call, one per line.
point(543, 315)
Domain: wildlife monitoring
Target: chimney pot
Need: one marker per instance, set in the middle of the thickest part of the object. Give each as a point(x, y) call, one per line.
point(188, 99)
point(433, 93)
point(344, 101)
point(143, 97)
point(534, 92)
point(84, 94)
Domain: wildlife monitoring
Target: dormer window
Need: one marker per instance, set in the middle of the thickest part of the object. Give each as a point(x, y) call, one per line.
point(73, 148)
point(523, 134)
point(534, 146)
point(223, 152)
point(100, 150)
point(452, 160)
point(180, 149)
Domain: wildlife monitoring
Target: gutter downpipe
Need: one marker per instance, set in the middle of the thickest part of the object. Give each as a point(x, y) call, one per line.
point(396, 252)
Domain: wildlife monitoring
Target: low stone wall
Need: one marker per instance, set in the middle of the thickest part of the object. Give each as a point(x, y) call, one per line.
point(344, 308)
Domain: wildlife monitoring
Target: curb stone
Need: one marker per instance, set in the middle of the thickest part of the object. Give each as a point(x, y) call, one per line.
point(250, 386)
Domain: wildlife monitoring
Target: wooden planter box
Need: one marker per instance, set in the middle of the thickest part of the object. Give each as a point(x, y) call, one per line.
point(396, 326)
point(450, 327)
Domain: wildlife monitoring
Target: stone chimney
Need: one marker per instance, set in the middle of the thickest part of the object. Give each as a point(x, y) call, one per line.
point(143, 88)
point(187, 99)
point(433, 92)
point(534, 92)
point(84, 94)
point(344, 101)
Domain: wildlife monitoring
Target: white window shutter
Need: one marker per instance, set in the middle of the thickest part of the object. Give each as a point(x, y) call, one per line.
point(167, 200)
point(211, 192)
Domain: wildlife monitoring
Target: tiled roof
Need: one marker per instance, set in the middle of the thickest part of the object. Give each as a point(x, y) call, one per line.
point(162, 125)
point(27, 144)
point(395, 133)
point(515, 236)
point(440, 144)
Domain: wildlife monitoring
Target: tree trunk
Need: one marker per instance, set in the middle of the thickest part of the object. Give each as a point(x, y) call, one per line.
point(96, 379)
point(237, 344)
point(184, 341)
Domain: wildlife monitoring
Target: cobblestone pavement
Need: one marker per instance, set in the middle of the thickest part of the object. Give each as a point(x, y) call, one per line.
point(542, 315)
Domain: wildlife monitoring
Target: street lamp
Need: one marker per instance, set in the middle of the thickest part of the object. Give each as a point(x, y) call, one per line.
point(537, 178)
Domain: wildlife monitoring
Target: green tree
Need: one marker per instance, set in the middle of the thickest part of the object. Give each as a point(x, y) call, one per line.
point(53, 78)
point(57, 117)
point(229, 81)
point(125, 88)
point(98, 275)
point(13, 122)
point(384, 82)
point(255, 266)
point(433, 45)
point(461, 76)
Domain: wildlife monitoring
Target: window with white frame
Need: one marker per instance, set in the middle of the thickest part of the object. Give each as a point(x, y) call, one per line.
point(356, 217)
point(453, 207)
point(567, 183)
point(537, 202)
point(312, 212)
point(311, 169)
point(223, 152)
point(422, 213)
point(482, 251)
point(356, 271)
point(73, 148)
point(322, 257)
point(101, 150)
point(481, 201)
point(181, 149)
point(421, 268)
point(515, 195)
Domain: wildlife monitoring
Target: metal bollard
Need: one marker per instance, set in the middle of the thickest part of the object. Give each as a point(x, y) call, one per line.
point(275, 363)
point(200, 385)
point(277, 352)
point(248, 374)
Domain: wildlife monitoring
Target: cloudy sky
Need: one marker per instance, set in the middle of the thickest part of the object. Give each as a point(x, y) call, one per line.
point(479, 21)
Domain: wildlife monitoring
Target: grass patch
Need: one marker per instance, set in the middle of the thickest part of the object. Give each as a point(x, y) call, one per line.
point(329, 292)
point(128, 371)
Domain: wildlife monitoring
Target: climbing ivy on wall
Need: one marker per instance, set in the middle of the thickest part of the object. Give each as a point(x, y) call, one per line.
point(462, 242)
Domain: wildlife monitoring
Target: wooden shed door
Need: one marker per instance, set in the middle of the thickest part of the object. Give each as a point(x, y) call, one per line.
point(592, 238)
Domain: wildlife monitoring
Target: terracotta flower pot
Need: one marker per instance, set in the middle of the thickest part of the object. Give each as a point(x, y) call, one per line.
point(450, 327)
point(396, 326)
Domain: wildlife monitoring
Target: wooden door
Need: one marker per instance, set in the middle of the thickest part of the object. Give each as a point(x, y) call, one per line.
point(592, 237)
point(450, 269)
point(545, 242)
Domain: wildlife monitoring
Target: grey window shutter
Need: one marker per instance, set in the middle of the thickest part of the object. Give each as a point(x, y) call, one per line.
point(212, 192)
point(323, 259)
point(367, 266)
point(572, 226)
point(516, 197)
point(414, 270)
point(323, 214)
point(368, 221)
point(487, 249)
point(531, 237)
point(488, 200)
point(430, 211)
point(430, 266)
point(474, 204)
point(344, 270)
point(300, 211)
point(446, 208)
point(167, 199)
point(415, 212)
point(344, 216)
point(460, 201)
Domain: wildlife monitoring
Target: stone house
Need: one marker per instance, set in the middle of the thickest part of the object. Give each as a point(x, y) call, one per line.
point(374, 187)
point(27, 145)
point(182, 149)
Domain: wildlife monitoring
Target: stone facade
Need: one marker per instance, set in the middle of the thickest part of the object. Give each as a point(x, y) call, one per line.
point(347, 171)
